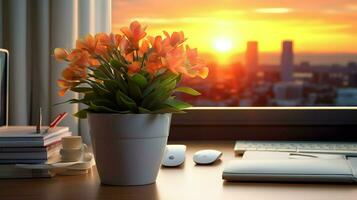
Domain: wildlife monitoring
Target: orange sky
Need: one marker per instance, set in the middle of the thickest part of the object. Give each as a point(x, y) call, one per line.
point(317, 26)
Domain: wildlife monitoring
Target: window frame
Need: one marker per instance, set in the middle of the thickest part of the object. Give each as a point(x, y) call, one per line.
point(7, 65)
point(283, 123)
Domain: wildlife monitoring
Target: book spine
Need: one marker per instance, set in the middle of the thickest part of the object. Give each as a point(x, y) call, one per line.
point(24, 156)
point(21, 161)
point(22, 144)
point(30, 149)
point(30, 143)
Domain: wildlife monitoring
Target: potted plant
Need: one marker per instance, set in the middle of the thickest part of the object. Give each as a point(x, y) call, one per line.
point(128, 82)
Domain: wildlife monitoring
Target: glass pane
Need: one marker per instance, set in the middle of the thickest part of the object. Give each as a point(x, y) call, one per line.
point(261, 53)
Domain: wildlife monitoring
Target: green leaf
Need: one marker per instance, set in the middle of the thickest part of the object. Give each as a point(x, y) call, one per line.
point(117, 83)
point(115, 63)
point(111, 85)
point(134, 91)
point(90, 96)
point(82, 89)
point(125, 102)
point(168, 78)
point(105, 68)
point(131, 105)
point(151, 88)
point(71, 101)
point(187, 90)
point(159, 95)
point(99, 74)
point(140, 80)
point(105, 102)
point(179, 78)
point(177, 103)
point(82, 114)
point(97, 108)
point(160, 82)
point(168, 110)
point(143, 110)
point(97, 87)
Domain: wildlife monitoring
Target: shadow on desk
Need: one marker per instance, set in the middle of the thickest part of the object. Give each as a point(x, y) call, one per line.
point(149, 192)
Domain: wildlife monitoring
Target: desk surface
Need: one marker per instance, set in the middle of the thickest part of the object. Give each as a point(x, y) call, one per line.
point(187, 182)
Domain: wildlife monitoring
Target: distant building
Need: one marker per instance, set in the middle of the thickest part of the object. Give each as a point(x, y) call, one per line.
point(288, 93)
point(346, 97)
point(251, 58)
point(287, 61)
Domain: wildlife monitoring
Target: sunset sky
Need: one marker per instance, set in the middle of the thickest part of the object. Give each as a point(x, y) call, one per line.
point(224, 26)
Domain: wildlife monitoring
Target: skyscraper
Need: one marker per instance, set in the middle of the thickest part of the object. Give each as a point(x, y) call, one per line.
point(251, 58)
point(287, 61)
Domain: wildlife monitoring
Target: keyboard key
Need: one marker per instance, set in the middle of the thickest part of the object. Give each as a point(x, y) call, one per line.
point(345, 148)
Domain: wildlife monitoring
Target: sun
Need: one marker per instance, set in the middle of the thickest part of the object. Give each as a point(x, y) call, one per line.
point(223, 44)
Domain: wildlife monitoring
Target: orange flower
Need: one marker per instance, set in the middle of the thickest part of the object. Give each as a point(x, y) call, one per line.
point(88, 43)
point(143, 48)
point(153, 63)
point(133, 49)
point(134, 67)
point(159, 46)
point(103, 51)
point(79, 57)
point(74, 73)
point(134, 33)
point(203, 72)
point(156, 43)
point(93, 62)
point(116, 39)
point(191, 55)
point(65, 86)
point(198, 70)
point(129, 57)
point(60, 54)
point(175, 60)
point(125, 47)
point(197, 65)
point(175, 39)
point(103, 39)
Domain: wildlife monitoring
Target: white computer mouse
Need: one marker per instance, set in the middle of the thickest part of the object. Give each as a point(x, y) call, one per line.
point(174, 155)
point(206, 157)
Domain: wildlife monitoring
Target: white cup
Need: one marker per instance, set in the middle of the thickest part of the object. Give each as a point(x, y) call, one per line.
point(73, 155)
point(72, 142)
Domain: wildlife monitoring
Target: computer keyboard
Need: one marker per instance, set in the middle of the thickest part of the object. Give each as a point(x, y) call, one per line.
point(345, 148)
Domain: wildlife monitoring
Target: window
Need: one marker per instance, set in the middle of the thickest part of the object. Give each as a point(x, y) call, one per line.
point(261, 53)
point(263, 56)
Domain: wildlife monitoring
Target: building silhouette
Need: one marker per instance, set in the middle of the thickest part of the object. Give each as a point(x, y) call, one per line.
point(251, 58)
point(287, 61)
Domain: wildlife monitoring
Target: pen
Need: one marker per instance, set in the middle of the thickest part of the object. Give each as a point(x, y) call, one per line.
point(39, 121)
point(57, 120)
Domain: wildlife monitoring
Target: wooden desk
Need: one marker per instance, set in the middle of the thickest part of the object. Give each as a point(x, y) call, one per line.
point(188, 182)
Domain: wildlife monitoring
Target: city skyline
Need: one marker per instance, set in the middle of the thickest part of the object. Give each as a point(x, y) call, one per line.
point(252, 83)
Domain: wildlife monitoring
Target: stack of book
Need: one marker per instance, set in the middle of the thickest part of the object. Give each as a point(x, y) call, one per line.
point(22, 145)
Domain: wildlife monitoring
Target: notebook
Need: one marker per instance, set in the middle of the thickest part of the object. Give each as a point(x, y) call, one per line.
point(40, 155)
point(25, 136)
point(10, 133)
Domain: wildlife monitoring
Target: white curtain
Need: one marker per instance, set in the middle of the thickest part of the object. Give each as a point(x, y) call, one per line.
point(30, 30)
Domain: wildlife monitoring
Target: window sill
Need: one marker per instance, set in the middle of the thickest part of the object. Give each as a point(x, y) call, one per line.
point(298, 123)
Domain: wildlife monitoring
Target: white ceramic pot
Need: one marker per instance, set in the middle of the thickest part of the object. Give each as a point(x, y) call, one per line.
point(128, 148)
